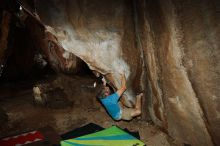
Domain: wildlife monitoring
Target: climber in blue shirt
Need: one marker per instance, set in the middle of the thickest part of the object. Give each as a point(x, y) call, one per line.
point(111, 102)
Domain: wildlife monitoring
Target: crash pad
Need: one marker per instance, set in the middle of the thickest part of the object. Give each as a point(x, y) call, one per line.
point(45, 136)
point(22, 139)
point(81, 131)
point(113, 136)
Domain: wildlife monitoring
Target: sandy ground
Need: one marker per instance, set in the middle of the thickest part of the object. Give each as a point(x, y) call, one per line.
point(24, 115)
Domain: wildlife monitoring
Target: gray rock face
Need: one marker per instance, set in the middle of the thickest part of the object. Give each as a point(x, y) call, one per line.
point(169, 48)
point(181, 45)
point(100, 33)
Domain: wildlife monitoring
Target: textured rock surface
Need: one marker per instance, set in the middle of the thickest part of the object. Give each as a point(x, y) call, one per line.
point(99, 32)
point(181, 45)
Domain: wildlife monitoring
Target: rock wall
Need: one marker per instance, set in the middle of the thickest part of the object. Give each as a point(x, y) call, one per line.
point(99, 32)
point(180, 40)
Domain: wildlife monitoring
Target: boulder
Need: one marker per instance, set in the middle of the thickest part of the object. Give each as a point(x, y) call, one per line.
point(169, 49)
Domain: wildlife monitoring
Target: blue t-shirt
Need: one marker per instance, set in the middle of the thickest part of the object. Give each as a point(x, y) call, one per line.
point(112, 106)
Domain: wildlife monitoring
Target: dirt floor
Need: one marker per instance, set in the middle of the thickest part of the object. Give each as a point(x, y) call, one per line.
point(24, 114)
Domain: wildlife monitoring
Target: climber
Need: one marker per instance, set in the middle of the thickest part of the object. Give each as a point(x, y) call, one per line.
point(115, 109)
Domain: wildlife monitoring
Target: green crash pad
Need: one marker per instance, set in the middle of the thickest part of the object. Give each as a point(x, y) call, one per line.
point(112, 136)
